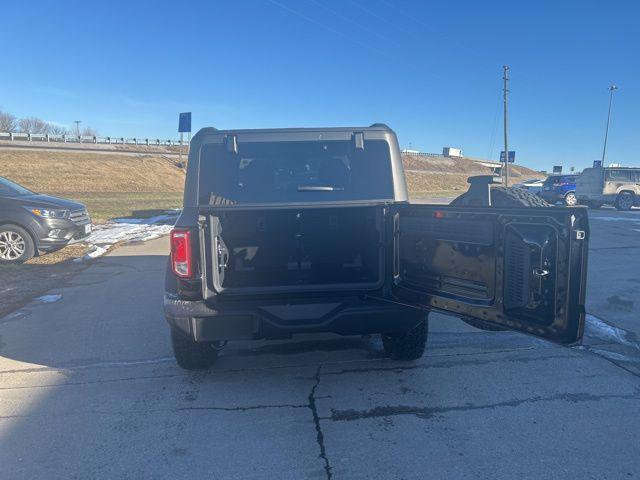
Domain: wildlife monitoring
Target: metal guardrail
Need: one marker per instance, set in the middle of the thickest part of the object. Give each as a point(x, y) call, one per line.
point(37, 137)
point(421, 154)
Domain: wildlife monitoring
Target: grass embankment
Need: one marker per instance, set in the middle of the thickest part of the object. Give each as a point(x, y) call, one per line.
point(111, 185)
point(433, 176)
point(107, 205)
point(115, 185)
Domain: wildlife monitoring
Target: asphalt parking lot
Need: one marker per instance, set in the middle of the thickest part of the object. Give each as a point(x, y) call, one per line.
point(89, 389)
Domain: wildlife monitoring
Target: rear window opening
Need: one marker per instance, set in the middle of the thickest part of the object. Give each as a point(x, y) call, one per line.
point(558, 180)
point(284, 172)
point(623, 175)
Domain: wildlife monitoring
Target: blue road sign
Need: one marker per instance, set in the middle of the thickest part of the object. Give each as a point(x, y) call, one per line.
point(184, 125)
point(512, 156)
point(597, 163)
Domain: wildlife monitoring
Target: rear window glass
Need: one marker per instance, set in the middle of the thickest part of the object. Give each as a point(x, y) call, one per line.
point(283, 172)
point(559, 179)
point(622, 175)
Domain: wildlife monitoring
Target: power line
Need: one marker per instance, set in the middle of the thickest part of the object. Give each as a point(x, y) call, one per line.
point(440, 32)
point(383, 54)
point(381, 18)
point(357, 24)
point(326, 27)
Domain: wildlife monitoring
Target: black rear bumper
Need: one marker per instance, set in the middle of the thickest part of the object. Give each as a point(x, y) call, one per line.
point(245, 322)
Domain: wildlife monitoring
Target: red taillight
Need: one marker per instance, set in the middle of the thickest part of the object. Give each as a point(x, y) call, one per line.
point(181, 261)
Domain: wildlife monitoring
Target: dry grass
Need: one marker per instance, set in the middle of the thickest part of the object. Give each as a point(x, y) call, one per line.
point(117, 185)
point(50, 171)
point(441, 176)
point(111, 185)
point(107, 205)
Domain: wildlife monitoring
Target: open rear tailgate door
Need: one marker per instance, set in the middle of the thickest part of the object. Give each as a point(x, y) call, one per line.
point(520, 268)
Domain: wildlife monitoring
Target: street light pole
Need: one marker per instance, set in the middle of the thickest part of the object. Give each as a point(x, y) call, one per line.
point(77, 122)
point(612, 89)
point(506, 137)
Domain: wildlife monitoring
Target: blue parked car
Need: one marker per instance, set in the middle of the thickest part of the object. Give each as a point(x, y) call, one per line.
point(560, 188)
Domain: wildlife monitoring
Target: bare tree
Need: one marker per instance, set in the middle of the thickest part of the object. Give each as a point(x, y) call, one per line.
point(58, 130)
point(33, 125)
point(89, 132)
point(8, 122)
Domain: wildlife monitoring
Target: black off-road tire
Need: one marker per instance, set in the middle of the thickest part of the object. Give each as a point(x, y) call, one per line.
point(503, 197)
point(624, 201)
point(192, 355)
point(18, 236)
point(409, 345)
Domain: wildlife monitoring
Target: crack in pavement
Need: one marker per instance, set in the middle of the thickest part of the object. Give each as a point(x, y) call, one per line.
point(158, 410)
point(316, 421)
point(429, 412)
point(606, 355)
point(241, 409)
point(622, 247)
point(133, 364)
point(451, 364)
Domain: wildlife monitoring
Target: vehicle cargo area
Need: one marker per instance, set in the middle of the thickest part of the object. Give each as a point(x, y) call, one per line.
point(314, 247)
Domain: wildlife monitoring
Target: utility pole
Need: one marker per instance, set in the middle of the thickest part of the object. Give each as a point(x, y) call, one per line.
point(77, 122)
point(612, 88)
point(506, 136)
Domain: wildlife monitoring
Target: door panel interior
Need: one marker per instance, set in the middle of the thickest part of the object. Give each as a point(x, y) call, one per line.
point(521, 268)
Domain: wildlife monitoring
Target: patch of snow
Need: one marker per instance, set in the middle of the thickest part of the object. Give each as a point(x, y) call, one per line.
point(124, 230)
point(114, 232)
point(610, 355)
point(19, 315)
point(598, 328)
point(51, 298)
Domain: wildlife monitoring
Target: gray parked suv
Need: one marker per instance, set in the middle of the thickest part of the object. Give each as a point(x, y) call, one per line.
point(617, 186)
point(33, 224)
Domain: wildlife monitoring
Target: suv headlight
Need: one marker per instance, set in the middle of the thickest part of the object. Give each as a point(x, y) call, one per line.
point(48, 213)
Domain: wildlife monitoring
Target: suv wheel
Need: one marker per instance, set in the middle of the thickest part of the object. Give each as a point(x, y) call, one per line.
point(570, 199)
point(16, 245)
point(408, 345)
point(624, 201)
point(192, 355)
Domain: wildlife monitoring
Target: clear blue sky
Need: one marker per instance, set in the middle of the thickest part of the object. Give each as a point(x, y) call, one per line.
point(429, 69)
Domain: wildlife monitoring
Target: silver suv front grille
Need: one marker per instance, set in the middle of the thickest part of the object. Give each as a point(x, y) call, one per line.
point(79, 216)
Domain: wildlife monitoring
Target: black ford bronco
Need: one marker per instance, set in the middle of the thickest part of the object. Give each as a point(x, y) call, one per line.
point(310, 230)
